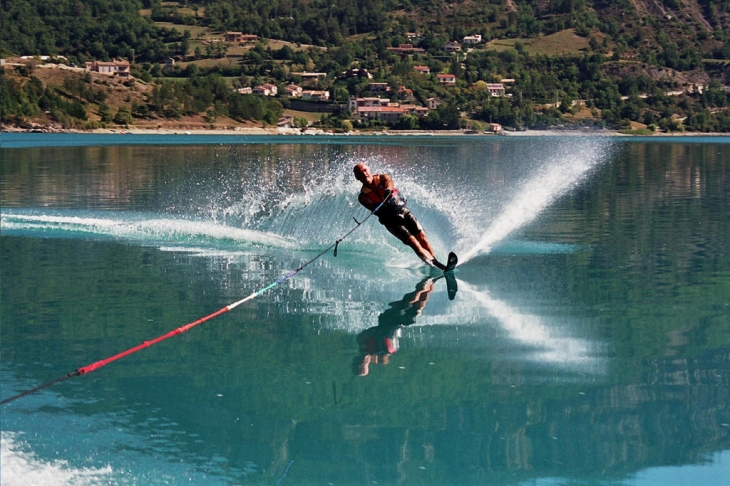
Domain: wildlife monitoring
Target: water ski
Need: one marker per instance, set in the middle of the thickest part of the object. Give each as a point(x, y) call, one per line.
point(451, 262)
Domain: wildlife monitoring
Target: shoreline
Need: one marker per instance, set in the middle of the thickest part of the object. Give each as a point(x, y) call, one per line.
point(250, 131)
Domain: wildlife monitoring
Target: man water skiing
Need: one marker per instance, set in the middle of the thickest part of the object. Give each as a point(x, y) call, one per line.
point(394, 214)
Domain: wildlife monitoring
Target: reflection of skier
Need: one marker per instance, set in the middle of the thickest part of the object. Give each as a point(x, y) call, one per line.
point(379, 342)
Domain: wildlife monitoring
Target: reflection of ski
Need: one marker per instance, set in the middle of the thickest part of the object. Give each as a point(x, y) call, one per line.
point(449, 275)
point(451, 286)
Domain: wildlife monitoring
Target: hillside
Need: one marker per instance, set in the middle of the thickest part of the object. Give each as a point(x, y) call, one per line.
point(664, 64)
point(117, 92)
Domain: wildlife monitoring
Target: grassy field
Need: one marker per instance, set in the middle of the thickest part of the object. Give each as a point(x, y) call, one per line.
point(200, 37)
point(196, 32)
point(559, 44)
point(181, 9)
point(311, 117)
point(224, 62)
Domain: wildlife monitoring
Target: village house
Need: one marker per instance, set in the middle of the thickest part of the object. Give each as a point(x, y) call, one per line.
point(316, 95)
point(422, 69)
point(120, 68)
point(419, 111)
point(247, 90)
point(357, 73)
point(446, 79)
point(241, 38)
point(293, 90)
point(286, 121)
point(385, 114)
point(381, 109)
point(406, 49)
point(310, 78)
point(495, 89)
point(379, 87)
point(354, 104)
point(452, 47)
point(266, 90)
point(472, 39)
point(405, 93)
point(433, 103)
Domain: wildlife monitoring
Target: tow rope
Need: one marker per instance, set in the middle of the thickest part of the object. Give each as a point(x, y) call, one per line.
point(146, 344)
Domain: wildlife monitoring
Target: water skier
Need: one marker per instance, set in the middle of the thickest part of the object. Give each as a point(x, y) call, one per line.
point(394, 214)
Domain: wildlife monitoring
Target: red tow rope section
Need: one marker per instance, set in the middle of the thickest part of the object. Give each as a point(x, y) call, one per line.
point(95, 366)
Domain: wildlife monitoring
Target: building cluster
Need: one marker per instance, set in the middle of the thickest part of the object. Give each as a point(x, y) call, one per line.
point(382, 109)
point(291, 90)
point(362, 109)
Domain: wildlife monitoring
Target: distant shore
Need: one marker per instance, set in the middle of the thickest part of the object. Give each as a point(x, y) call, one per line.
point(251, 131)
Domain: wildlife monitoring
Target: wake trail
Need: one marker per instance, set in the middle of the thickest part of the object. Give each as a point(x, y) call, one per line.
point(159, 230)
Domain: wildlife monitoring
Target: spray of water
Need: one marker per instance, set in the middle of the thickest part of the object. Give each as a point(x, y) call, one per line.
point(303, 202)
point(23, 467)
point(560, 173)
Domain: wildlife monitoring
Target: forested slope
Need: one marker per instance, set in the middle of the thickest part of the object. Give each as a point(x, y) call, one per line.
point(618, 58)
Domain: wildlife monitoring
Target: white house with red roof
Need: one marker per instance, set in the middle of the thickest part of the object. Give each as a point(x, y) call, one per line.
point(446, 79)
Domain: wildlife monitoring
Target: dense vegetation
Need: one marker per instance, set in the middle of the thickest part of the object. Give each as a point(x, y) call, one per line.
point(661, 64)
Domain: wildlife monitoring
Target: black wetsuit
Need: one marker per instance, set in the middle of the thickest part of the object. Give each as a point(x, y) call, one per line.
point(395, 216)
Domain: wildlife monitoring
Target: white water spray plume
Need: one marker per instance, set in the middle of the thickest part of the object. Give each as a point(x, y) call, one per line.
point(561, 173)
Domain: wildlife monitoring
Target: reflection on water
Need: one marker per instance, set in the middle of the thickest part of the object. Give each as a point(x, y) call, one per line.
point(589, 343)
point(532, 333)
point(377, 343)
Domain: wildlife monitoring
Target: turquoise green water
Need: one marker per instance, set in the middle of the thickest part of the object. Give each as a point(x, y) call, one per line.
point(588, 342)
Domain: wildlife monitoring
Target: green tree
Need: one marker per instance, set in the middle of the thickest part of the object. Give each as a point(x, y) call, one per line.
point(407, 122)
point(346, 125)
point(300, 122)
point(445, 117)
point(123, 116)
point(105, 113)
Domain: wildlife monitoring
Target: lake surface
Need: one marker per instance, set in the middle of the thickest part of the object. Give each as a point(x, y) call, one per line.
point(588, 341)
